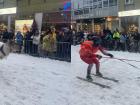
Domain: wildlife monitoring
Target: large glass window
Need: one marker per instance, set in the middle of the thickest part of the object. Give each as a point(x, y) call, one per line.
point(112, 3)
point(105, 3)
point(94, 0)
point(100, 4)
point(86, 10)
point(1, 1)
point(29, 2)
point(129, 1)
point(95, 4)
point(76, 12)
point(90, 1)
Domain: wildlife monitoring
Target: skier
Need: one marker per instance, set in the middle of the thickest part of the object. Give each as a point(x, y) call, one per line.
point(88, 54)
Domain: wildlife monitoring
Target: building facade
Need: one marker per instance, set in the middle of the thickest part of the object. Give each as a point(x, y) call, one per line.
point(46, 12)
point(95, 15)
point(54, 12)
point(7, 14)
point(129, 14)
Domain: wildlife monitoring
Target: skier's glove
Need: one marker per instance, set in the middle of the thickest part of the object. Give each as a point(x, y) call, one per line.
point(99, 56)
point(111, 56)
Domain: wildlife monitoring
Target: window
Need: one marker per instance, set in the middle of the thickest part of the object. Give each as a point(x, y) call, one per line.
point(94, 0)
point(95, 4)
point(112, 3)
point(86, 10)
point(100, 4)
point(129, 1)
point(1, 1)
point(75, 12)
point(29, 2)
point(79, 12)
point(105, 3)
point(90, 1)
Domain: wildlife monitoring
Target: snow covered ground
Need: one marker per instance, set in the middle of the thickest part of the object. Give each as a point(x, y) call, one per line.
point(126, 92)
point(26, 80)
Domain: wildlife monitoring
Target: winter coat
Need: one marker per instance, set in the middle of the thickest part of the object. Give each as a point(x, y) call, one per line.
point(137, 37)
point(116, 35)
point(19, 39)
point(5, 36)
point(88, 52)
point(123, 38)
point(67, 37)
point(108, 37)
point(28, 36)
point(11, 35)
point(87, 49)
point(49, 43)
point(36, 40)
point(60, 37)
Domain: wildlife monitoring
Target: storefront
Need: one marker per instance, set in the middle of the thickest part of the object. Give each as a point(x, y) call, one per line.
point(130, 20)
point(98, 24)
point(23, 26)
point(58, 19)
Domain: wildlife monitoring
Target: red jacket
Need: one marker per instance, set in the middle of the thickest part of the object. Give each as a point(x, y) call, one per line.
point(87, 49)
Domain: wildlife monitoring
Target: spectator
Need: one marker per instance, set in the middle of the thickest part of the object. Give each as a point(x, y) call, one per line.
point(123, 39)
point(28, 43)
point(49, 42)
point(11, 35)
point(116, 37)
point(60, 41)
point(68, 41)
point(5, 36)
point(80, 36)
point(36, 42)
point(19, 41)
point(136, 38)
point(108, 40)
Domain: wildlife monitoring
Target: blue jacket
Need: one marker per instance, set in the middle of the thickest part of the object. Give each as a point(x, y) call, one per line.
point(19, 39)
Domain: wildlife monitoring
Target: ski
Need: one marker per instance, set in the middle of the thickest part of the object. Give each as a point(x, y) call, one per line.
point(107, 78)
point(95, 83)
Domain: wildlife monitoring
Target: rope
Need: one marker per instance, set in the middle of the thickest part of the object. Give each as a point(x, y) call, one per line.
point(122, 59)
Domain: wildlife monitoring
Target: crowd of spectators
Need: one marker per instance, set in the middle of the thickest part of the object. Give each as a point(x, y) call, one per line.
point(49, 43)
point(116, 40)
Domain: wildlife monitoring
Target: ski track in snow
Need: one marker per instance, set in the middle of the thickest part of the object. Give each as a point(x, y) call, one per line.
point(26, 80)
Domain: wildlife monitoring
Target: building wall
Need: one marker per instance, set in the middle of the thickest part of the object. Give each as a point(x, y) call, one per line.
point(7, 20)
point(124, 7)
point(33, 6)
point(7, 3)
point(128, 22)
point(84, 9)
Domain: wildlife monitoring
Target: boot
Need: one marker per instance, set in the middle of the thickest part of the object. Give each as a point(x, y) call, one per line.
point(89, 78)
point(99, 74)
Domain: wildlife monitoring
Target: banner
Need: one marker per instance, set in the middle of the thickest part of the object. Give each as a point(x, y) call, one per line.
point(38, 20)
point(12, 10)
point(23, 25)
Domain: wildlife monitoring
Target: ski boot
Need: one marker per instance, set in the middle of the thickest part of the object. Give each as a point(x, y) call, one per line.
point(99, 74)
point(89, 78)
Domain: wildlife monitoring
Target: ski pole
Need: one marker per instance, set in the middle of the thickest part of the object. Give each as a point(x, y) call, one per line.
point(122, 59)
